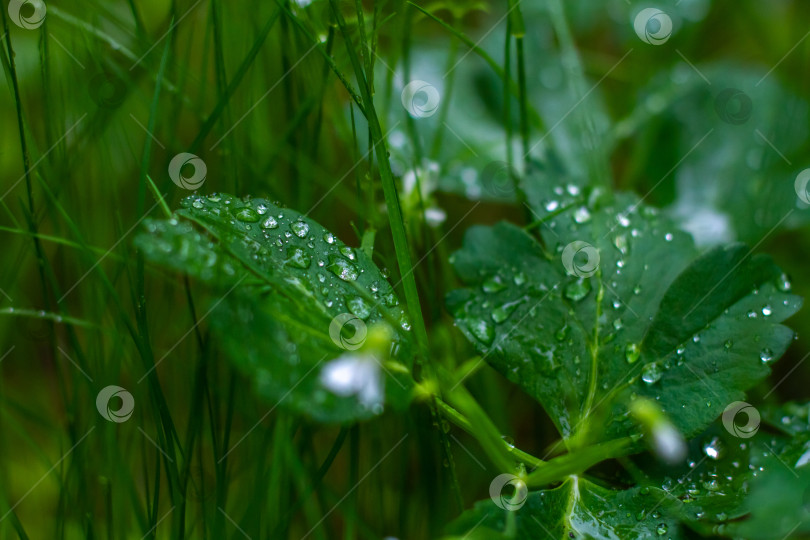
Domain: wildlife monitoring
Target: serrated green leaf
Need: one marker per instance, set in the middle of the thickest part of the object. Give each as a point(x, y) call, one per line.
point(777, 502)
point(283, 280)
point(577, 508)
point(712, 480)
point(754, 133)
point(653, 320)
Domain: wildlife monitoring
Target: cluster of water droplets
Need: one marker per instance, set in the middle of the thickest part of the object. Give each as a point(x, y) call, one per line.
point(277, 238)
point(504, 291)
point(177, 243)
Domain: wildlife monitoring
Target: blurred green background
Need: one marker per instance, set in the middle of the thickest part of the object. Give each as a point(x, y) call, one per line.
point(102, 94)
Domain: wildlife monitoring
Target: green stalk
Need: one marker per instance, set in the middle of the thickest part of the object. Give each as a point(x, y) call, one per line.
point(11, 66)
point(448, 93)
point(598, 166)
point(507, 97)
point(396, 222)
point(577, 462)
point(499, 71)
point(461, 421)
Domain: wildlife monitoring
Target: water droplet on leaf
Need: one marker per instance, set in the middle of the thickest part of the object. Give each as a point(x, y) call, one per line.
point(359, 307)
point(298, 258)
point(342, 268)
point(482, 330)
point(766, 355)
point(247, 215)
point(631, 352)
point(577, 290)
point(300, 228)
point(651, 373)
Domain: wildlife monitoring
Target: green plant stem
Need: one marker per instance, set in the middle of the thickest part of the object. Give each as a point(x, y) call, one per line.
point(598, 166)
point(577, 462)
point(396, 222)
point(499, 71)
point(472, 418)
point(461, 421)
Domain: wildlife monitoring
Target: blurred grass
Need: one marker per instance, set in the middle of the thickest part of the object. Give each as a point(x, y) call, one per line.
point(244, 88)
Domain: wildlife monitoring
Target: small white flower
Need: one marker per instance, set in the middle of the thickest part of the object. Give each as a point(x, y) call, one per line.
point(355, 374)
point(668, 443)
point(435, 216)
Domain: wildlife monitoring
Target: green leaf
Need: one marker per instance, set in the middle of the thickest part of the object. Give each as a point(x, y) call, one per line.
point(283, 279)
point(777, 504)
point(754, 136)
point(653, 320)
point(712, 481)
point(577, 508)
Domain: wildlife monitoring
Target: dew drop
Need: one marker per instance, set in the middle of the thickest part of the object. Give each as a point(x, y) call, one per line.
point(581, 215)
point(329, 238)
point(482, 330)
point(270, 223)
point(493, 284)
point(342, 268)
point(347, 252)
point(577, 290)
point(631, 352)
point(501, 313)
point(661, 530)
point(783, 283)
point(766, 355)
point(247, 215)
point(714, 448)
point(298, 258)
point(651, 373)
point(620, 242)
point(766, 311)
point(712, 485)
point(359, 307)
point(300, 228)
